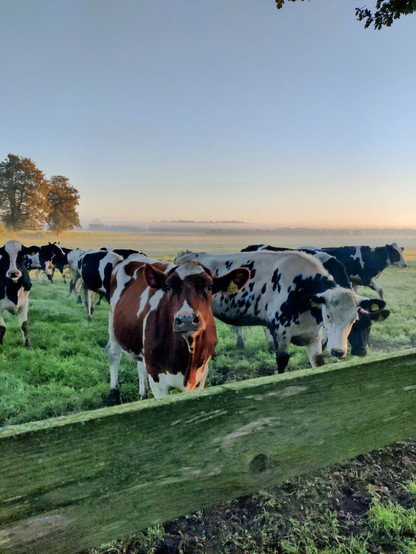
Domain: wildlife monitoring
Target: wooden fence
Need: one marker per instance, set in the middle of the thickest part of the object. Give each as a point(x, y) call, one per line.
point(78, 481)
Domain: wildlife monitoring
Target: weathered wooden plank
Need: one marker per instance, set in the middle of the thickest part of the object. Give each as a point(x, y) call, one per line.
point(81, 480)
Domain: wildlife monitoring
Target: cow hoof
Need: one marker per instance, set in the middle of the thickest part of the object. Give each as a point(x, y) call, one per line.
point(79, 300)
point(113, 398)
point(239, 344)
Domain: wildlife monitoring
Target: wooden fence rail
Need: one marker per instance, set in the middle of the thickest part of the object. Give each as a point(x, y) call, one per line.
point(78, 481)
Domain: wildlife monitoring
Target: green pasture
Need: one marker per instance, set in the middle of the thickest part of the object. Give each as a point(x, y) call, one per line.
point(66, 369)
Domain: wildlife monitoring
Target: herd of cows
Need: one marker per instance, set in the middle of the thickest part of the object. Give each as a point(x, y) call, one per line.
point(162, 314)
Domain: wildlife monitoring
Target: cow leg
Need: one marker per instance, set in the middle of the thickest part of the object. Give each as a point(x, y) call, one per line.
point(63, 276)
point(37, 275)
point(239, 337)
point(373, 285)
point(78, 286)
point(281, 348)
point(22, 312)
point(269, 338)
point(315, 355)
point(48, 273)
point(143, 383)
point(89, 302)
point(114, 357)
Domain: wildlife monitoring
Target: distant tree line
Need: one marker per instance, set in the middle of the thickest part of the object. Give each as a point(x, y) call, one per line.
point(386, 11)
point(30, 201)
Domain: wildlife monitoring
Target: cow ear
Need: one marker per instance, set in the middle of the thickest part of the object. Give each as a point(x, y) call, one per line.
point(155, 278)
point(371, 304)
point(231, 282)
point(380, 316)
point(30, 250)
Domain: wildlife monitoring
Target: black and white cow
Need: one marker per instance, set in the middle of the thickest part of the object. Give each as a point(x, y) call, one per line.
point(95, 269)
point(360, 331)
point(293, 295)
point(15, 286)
point(364, 264)
point(42, 258)
point(123, 252)
point(60, 261)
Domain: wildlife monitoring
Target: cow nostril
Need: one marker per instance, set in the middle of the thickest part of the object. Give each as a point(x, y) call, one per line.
point(178, 321)
point(337, 353)
point(195, 321)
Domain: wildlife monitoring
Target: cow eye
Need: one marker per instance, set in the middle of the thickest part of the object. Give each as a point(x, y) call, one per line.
point(208, 288)
point(167, 289)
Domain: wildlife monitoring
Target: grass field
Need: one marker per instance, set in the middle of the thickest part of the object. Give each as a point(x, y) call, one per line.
point(368, 505)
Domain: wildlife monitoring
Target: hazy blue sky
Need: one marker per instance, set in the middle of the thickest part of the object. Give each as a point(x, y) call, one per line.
point(219, 109)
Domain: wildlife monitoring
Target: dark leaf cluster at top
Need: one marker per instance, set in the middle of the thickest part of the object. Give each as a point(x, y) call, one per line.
point(385, 13)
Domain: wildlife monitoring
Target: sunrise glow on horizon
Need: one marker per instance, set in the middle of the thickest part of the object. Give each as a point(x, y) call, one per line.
point(220, 111)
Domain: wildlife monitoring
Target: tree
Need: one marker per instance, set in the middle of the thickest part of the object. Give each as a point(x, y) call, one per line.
point(23, 191)
point(63, 200)
point(385, 13)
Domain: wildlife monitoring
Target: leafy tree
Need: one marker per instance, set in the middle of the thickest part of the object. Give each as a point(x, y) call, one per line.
point(385, 13)
point(63, 200)
point(23, 191)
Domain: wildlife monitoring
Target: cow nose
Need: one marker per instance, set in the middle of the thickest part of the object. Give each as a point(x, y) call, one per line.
point(13, 274)
point(338, 353)
point(184, 323)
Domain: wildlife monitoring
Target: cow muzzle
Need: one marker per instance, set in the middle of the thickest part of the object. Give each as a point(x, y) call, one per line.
point(14, 275)
point(186, 322)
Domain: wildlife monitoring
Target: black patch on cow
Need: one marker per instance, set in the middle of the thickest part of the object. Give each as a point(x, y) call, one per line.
point(297, 301)
point(263, 290)
point(228, 265)
point(276, 277)
point(107, 278)
point(392, 253)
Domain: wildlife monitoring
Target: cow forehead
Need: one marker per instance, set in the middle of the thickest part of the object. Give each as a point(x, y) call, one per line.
point(189, 268)
point(340, 298)
point(13, 247)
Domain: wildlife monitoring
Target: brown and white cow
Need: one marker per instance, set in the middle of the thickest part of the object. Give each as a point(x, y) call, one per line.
point(160, 313)
point(15, 286)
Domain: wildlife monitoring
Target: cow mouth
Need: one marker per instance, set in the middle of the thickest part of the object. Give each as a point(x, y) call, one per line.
point(189, 339)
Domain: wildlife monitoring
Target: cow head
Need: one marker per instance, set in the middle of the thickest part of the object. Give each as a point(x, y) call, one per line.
point(12, 255)
point(360, 332)
point(339, 308)
point(395, 255)
point(189, 288)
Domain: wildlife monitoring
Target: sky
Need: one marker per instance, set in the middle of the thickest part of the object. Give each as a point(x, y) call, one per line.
point(214, 110)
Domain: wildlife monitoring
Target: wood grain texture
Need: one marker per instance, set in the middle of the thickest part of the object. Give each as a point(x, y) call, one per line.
point(82, 480)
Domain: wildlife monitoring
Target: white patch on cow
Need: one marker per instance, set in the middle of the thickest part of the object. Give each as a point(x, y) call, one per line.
point(358, 256)
point(189, 268)
point(167, 381)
